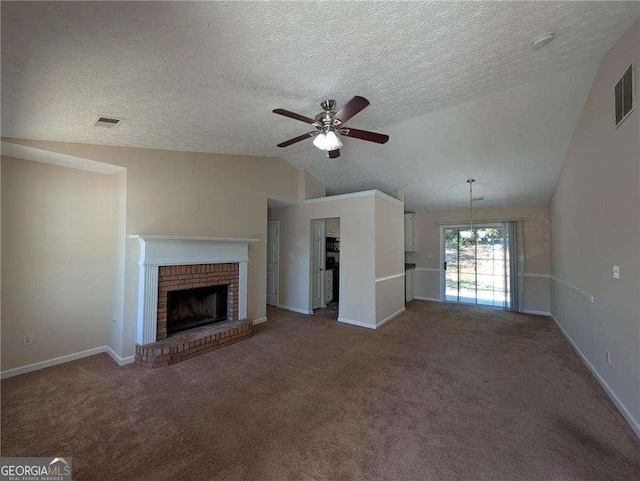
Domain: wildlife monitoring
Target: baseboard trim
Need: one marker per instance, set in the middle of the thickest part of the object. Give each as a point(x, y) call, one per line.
point(537, 313)
point(36, 366)
point(635, 425)
point(432, 299)
point(120, 360)
point(294, 309)
point(395, 314)
point(356, 323)
point(259, 320)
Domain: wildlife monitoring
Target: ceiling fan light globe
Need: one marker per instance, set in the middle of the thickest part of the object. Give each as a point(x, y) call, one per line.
point(320, 141)
point(329, 141)
point(333, 142)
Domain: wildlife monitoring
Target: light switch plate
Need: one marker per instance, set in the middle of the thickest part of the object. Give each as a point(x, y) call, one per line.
point(616, 272)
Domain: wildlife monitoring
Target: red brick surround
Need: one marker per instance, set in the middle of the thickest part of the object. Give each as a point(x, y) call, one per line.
point(173, 278)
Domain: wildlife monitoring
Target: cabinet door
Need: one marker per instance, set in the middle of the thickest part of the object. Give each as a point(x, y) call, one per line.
point(333, 227)
point(328, 286)
point(409, 232)
point(409, 279)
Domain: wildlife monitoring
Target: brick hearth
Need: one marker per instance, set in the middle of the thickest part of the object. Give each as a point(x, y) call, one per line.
point(191, 343)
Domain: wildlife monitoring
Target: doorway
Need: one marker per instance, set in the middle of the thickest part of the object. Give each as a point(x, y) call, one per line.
point(317, 263)
point(477, 265)
point(330, 260)
point(273, 261)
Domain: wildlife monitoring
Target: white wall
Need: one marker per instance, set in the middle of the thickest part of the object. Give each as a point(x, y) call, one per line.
point(358, 253)
point(534, 250)
point(58, 256)
point(389, 258)
point(595, 224)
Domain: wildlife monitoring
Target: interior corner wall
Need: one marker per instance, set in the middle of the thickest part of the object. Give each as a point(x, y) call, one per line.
point(309, 187)
point(357, 255)
point(535, 250)
point(595, 224)
point(190, 194)
point(58, 258)
point(120, 235)
point(389, 221)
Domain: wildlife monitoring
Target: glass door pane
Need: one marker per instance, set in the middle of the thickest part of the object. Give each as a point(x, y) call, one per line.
point(468, 281)
point(477, 269)
point(451, 242)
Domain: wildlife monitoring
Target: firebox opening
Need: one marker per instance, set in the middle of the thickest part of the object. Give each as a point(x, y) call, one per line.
point(191, 308)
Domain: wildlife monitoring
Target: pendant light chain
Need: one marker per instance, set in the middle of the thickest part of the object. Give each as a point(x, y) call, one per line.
point(471, 181)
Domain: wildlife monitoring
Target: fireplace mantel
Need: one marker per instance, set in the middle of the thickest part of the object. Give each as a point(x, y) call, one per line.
point(165, 250)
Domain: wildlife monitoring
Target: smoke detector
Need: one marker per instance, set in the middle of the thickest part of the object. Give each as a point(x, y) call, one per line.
point(542, 40)
point(106, 122)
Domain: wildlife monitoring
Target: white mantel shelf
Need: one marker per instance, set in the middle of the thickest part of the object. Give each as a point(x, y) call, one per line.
point(167, 250)
point(191, 239)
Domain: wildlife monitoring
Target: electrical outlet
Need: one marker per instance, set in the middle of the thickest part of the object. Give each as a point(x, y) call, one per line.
point(27, 340)
point(616, 272)
point(430, 255)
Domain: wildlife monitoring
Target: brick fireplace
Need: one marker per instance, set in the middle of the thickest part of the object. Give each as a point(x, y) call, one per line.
point(182, 268)
point(193, 277)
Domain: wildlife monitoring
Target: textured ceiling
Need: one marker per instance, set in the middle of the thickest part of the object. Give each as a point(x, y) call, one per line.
point(204, 76)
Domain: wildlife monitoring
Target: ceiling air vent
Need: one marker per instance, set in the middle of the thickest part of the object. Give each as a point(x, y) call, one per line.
point(624, 96)
point(106, 122)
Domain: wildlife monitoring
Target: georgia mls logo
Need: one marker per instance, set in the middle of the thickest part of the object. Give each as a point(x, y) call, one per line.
point(35, 469)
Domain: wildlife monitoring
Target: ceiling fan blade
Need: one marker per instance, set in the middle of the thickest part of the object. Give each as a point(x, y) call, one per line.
point(351, 108)
point(300, 138)
point(333, 154)
point(294, 116)
point(365, 135)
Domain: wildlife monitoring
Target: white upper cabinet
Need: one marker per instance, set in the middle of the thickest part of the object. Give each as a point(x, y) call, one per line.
point(409, 235)
point(333, 227)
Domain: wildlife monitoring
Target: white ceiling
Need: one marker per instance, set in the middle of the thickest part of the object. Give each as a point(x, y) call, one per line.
point(455, 85)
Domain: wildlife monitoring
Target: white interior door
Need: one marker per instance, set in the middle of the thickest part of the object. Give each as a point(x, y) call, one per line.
point(317, 264)
point(273, 257)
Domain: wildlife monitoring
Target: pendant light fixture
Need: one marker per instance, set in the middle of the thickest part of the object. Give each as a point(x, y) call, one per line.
point(471, 181)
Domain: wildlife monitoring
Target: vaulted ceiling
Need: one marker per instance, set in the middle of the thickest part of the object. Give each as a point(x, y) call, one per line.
point(457, 86)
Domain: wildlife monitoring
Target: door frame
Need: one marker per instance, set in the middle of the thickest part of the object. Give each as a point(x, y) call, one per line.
point(323, 254)
point(443, 273)
point(277, 269)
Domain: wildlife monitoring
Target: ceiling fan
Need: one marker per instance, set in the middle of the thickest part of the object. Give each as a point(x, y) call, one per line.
point(330, 125)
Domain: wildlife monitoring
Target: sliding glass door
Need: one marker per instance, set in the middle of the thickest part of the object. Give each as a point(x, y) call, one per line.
point(477, 265)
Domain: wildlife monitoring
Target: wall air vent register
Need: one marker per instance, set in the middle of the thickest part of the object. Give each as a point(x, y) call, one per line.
point(107, 122)
point(625, 95)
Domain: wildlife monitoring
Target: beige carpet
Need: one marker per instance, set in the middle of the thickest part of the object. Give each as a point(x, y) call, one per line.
point(442, 392)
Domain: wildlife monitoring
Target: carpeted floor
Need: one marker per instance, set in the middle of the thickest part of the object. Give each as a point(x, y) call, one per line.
point(442, 392)
point(329, 312)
